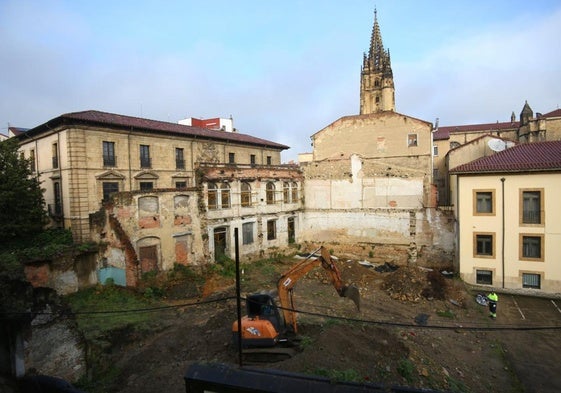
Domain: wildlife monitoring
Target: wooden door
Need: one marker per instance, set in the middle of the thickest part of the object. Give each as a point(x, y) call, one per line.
point(148, 258)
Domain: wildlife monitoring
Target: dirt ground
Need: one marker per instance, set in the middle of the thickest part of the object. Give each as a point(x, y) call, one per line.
point(400, 337)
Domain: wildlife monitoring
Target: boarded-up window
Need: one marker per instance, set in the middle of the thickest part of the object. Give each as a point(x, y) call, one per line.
point(148, 205)
point(181, 202)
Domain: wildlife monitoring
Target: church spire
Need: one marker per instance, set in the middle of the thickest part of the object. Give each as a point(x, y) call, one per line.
point(376, 87)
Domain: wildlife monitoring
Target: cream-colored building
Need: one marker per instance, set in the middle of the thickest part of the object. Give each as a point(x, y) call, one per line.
point(509, 227)
point(83, 157)
point(157, 193)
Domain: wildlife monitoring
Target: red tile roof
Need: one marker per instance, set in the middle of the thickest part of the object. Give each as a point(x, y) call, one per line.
point(445, 131)
point(555, 113)
point(526, 157)
point(105, 119)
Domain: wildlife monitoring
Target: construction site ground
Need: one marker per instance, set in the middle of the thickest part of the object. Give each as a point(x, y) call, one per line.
point(407, 333)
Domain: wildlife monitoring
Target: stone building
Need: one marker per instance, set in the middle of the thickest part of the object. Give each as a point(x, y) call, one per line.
point(158, 193)
point(368, 181)
point(530, 128)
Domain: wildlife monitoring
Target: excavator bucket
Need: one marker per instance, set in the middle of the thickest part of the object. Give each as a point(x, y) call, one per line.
point(352, 293)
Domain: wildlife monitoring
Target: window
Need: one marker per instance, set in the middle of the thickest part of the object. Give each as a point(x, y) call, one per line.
point(484, 245)
point(181, 185)
point(484, 277)
point(435, 150)
point(145, 156)
point(531, 207)
point(412, 140)
point(252, 159)
point(231, 158)
point(484, 202)
point(148, 206)
point(245, 195)
point(225, 195)
point(294, 192)
point(55, 155)
point(218, 196)
point(146, 186)
point(270, 193)
point(286, 192)
point(247, 232)
point(290, 192)
point(109, 154)
point(531, 280)
point(55, 209)
point(269, 160)
point(32, 160)
point(109, 188)
point(212, 196)
point(531, 247)
point(271, 229)
point(179, 159)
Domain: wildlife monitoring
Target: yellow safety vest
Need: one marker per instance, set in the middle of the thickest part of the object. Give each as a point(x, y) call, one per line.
point(493, 297)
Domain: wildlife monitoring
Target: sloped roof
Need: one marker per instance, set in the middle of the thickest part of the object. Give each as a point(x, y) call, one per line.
point(374, 115)
point(97, 118)
point(555, 113)
point(444, 132)
point(17, 130)
point(526, 157)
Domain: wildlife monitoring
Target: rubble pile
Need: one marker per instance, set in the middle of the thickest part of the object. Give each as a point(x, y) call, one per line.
point(406, 284)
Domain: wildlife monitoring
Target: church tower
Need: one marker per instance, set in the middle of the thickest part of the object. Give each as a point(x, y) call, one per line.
point(377, 91)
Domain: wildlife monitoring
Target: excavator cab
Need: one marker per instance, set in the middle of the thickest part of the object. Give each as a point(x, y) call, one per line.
point(263, 325)
point(263, 306)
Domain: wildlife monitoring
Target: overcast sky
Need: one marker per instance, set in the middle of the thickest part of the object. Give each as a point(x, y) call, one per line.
point(282, 69)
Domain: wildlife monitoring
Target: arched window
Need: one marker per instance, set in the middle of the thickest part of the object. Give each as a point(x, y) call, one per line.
point(225, 196)
point(218, 196)
point(286, 192)
point(212, 196)
point(270, 195)
point(245, 195)
point(294, 192)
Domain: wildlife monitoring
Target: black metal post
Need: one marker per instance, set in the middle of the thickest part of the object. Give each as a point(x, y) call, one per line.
point(238, 296)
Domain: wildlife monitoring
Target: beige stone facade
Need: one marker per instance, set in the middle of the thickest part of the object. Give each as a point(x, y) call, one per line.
point(155, 230)
point(81, 160)
point(370, 184)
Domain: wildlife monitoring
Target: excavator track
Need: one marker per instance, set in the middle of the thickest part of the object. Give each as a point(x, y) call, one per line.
point(267, 355)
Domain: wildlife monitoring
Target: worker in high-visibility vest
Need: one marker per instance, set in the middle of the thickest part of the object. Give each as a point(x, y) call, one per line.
point(493, 300)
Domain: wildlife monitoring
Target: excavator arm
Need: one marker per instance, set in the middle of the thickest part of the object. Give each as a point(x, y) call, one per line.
point(291, 277)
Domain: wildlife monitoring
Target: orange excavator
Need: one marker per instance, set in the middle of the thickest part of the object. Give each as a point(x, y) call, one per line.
point(265, 330)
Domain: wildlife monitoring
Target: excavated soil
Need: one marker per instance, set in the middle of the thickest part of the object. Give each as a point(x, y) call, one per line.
point(410, 331)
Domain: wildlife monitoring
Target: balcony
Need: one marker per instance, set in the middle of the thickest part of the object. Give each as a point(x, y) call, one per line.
point(109, 161)
point(145, 162)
